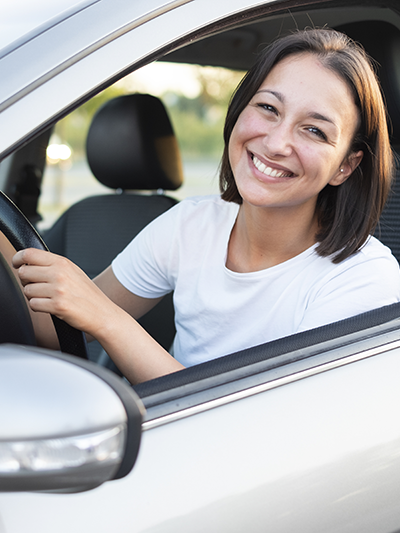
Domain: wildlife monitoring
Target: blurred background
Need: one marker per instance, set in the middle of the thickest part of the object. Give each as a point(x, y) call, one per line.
point(196, 99)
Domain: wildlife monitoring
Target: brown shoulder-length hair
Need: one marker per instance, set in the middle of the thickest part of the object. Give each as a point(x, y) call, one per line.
point(347, 213)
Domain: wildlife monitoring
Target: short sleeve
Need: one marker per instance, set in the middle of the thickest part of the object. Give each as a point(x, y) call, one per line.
point(145, 267)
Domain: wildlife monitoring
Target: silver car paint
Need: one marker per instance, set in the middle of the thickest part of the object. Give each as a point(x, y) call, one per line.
point(28, 384)
point(252, 466)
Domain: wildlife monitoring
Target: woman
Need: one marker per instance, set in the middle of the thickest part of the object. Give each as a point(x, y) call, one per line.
point(305, 173)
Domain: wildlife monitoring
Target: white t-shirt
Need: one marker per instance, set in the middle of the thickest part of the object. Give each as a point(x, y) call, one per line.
point(218, 311)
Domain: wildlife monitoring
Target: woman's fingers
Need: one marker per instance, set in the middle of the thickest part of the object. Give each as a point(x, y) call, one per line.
point(32, 256)
point(42, 305)
point(34, 274)
point(43, 274)
point(38, 266)
point(53, 284)
point(44, 279)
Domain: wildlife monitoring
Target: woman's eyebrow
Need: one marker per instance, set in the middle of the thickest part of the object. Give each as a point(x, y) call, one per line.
point(312, 114)
point(277, 94)
point(318, 116)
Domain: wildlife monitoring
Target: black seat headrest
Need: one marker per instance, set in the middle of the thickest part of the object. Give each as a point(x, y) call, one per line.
point(131, 145)
point(381, 40)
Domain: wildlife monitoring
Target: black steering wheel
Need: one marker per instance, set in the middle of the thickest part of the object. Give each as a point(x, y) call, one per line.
point(16, 324)
point(21, 234)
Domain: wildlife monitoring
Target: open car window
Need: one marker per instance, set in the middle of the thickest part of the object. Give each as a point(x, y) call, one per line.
point(196, 99)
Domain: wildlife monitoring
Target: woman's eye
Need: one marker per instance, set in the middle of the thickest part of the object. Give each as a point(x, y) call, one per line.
point(317, 132)
point(268, 107)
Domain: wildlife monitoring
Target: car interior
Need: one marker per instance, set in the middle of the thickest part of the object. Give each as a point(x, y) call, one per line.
point(131, 147)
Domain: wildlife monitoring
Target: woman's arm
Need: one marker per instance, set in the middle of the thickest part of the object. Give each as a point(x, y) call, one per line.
point(134, 305)
point(53, 284)
point(134, 351)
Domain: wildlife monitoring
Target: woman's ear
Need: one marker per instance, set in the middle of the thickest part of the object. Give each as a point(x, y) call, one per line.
point(347, 168)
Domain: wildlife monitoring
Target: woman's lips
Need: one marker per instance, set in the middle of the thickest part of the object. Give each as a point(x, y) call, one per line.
point(269, 171)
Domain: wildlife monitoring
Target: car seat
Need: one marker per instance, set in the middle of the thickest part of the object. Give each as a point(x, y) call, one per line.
point(130, 146)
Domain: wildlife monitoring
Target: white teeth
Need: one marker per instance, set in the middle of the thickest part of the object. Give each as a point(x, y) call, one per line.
point(261, 167)
point(268, 171)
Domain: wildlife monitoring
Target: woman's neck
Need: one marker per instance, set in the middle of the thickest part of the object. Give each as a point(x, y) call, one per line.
point(262, 238)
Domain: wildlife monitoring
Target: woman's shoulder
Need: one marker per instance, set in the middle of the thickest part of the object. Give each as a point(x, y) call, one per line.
point(368, 279)
point(373, 249)
point(374, 263)
point(373, 259)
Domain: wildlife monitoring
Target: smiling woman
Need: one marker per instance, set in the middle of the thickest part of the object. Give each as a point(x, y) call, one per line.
point(287, 145)
point(347, 214)
point(305, 173)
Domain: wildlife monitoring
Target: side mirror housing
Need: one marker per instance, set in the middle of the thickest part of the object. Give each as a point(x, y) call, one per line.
point(66, 424)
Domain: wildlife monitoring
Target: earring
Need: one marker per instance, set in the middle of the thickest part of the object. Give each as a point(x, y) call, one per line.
point(341, 170)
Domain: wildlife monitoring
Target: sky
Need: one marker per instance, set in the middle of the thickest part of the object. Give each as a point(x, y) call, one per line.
point(158, 78)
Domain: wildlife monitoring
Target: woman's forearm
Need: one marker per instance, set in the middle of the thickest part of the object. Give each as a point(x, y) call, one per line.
point(138, 356)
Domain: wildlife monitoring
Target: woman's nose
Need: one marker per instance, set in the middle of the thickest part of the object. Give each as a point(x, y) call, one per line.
point(278, 140)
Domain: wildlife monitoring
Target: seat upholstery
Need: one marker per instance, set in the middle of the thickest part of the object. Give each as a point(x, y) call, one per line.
point(130, 147)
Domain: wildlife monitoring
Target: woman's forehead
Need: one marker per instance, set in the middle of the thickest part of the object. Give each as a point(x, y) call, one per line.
point(302, 80)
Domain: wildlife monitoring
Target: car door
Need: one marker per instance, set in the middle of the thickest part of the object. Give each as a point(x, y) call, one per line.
point(307, 440)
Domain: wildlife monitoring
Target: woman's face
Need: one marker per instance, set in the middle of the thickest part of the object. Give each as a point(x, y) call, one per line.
point(294, 136)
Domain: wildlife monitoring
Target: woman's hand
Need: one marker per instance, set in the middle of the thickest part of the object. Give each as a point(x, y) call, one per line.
point(55, 285)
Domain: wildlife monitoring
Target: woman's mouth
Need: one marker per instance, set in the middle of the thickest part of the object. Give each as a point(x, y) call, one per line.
point(268, 171)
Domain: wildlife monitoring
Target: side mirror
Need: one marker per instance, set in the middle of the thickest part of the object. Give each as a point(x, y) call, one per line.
point(67, 425)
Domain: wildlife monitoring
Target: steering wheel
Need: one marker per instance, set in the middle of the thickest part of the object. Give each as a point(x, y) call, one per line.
point(21, 234)
point(16, 324)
